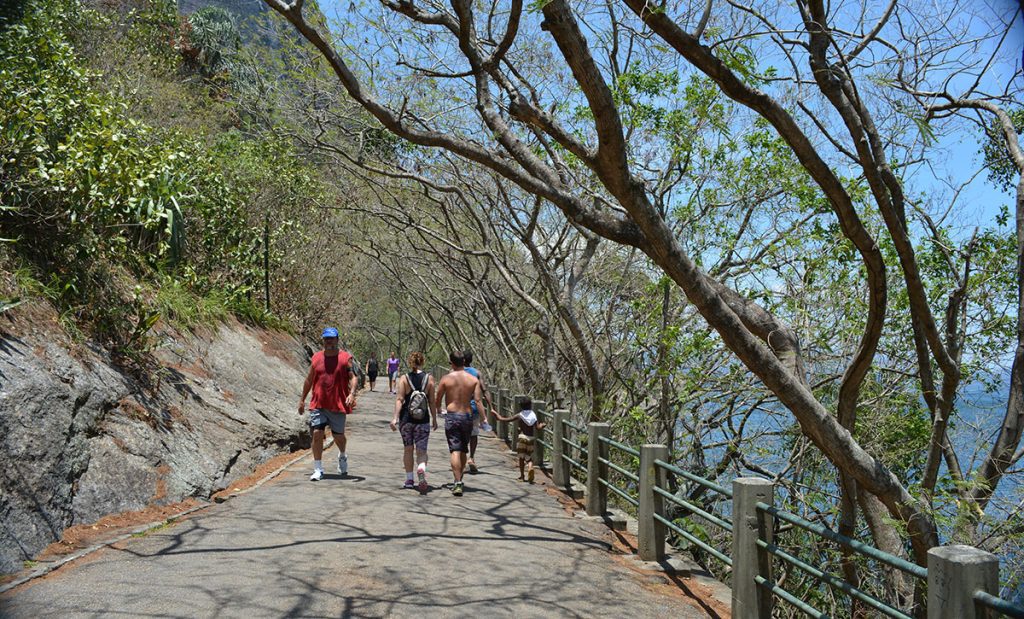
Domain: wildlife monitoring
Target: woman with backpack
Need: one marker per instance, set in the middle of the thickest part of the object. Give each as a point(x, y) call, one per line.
point(415, 414)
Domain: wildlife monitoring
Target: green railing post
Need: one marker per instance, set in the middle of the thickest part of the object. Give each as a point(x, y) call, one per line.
point(559, 467)
point(749, 600)
point(650, 532)
point(954, 574)
point(597, 493)
point(539, 406)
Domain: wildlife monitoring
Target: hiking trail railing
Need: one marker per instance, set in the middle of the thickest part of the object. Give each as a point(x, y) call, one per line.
point(962, 582)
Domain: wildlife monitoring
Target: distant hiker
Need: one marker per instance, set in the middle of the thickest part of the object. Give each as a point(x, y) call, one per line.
point(457, 388)
point(333, 377)
point(393, 364)
point(414, 410)
point(477, 417)
point(528, 427)
point(371, 370)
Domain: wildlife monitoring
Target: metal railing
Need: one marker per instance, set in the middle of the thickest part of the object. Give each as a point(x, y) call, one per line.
point(606, 460)
point(694, 509)
point(752, 543)
point(567, 458)
point(998, 604)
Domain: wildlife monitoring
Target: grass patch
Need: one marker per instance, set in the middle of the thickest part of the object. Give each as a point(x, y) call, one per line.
point(157, 528)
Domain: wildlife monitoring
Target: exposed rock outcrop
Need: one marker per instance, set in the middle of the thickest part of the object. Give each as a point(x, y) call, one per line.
point(80, 439)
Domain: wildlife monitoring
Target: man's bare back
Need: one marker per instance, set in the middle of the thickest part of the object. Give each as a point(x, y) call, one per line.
point(457, 388)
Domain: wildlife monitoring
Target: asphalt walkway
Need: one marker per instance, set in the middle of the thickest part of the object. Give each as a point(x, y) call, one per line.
point(362, 546)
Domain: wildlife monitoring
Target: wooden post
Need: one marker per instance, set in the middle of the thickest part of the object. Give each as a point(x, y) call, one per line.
point(597, 493)
point(750, 600)
point(650, 532)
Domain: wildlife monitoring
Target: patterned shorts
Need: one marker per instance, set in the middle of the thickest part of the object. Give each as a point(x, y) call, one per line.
point(415, 434)
point(524, 447)
point(458, 427)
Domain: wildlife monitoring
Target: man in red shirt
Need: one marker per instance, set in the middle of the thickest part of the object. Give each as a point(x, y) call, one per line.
point(333, 379)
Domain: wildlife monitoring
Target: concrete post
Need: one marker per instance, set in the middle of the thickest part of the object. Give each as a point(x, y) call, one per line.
point(503, 407)
point(650, 539)
point(539, 407)
point(597, 494)
point(954, 574)
point(749, 600)
point(559, 467)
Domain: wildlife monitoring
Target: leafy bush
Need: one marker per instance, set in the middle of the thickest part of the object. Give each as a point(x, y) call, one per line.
point(98, 200)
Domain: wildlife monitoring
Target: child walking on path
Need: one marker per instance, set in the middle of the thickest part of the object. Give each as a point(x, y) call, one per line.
point(528, 427)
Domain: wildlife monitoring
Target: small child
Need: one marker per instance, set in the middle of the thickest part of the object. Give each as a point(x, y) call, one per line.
point(528, 427)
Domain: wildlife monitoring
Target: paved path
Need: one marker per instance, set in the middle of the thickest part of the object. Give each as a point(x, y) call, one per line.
point(363, 547)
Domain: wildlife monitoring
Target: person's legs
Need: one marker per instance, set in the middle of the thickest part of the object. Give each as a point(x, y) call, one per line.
point(471, 463)
point(420, 438)
point(522, 467)
point(457, 428)
point(407, 459)
point(458, 464)
point(337, 421)
point(408, 431)
point(318, 444)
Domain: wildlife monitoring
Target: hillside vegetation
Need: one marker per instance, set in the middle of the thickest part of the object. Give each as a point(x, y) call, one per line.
point(136, 186)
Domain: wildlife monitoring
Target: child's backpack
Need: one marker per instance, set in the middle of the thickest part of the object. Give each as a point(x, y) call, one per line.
point(418, 406)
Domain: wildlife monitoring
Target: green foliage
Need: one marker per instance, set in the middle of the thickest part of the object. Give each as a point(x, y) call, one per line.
point(120, 221)
point(9, 304)
point(74, 165)
point(209, 42)
point(1001, 170)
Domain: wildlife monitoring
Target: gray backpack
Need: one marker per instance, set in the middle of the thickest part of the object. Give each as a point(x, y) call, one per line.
point(418, 407)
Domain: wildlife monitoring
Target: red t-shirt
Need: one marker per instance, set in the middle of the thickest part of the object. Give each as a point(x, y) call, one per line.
point(331, 375)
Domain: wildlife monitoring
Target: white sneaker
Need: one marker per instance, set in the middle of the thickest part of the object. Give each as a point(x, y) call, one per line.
point(343, 465)
point(317, 475)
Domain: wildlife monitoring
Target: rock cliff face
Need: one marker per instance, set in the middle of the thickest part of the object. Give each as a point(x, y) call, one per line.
point(80, 439)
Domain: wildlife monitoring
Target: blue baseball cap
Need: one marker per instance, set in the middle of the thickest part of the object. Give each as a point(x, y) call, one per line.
point(329, 332)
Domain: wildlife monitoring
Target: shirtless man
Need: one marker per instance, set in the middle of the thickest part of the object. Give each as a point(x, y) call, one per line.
point(458, 388)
